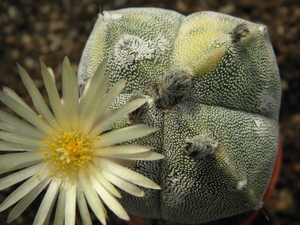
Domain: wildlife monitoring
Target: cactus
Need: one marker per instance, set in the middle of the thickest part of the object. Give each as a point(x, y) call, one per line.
point(214, 92)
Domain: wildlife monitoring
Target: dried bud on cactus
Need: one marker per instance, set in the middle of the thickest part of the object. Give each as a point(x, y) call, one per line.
point(238, 32)
point(172, 88)
point(199, 147)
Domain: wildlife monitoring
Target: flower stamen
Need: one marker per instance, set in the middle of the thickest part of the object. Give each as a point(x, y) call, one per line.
point(68, 150)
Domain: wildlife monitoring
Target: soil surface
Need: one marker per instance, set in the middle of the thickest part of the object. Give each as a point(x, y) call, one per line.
point(33, 29)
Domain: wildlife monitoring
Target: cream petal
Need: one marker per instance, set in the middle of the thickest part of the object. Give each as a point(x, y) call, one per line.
point(92, 105)
point(21, 191)
point(127, 174)
point(70, 207)
point(25, 113)
point(20, 139)
point(109, 199)
point(60, 208)
point(48, 216)
point(124, 162)
point(54, 98)
point(123, 184)
point(37, 98)
point(105, 115)
point(9, 146)
point(9, 92)
point(8, 128)
point(47, 202)
point(121, 150)
point(95, 80)
point(83, 209)
point(70, 93)
point(110, 97)
point(20, 125)
point(92, 198)
point(27, 200)
point(20, 160)
point(103, 181)
point(123, 134)
point(92, 94)
point(140, 156)
point(117, 115)
point(86, 87)
point(50, 70)
point(19, 176)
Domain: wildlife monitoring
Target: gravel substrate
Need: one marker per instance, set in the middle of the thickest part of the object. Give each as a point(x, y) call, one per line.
point(33, 29)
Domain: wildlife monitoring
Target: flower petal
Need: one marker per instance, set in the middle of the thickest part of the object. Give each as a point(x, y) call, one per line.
point(94, 81)
point(47, 202)
point(9, 146)
point(123, 184)
point(25, 113)
point(83, 209)
point(10, 129)
point(117, 115)
point(20, 125)
point(92, 93)
point(37, 98)
point(109, 199)
point(92, 105)
point(121, 150)
point(27, 200)
point(103, 181)
point(127, 174)
point(60, 208)
point(70, 207)
point(70, 93)
point(140, 156)
point(19, 176)
point(21, 191)
point(110, 97)
point(48, 216)
point(16, 138)
point(54, 98)
point(20, 160)
point(123, 134)
point(9, 92)
point(92, 198)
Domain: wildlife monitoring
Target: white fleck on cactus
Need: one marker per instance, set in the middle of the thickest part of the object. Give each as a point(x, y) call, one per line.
point(232, 100)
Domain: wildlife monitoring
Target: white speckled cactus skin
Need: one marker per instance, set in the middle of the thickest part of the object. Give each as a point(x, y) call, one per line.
point(233, 103)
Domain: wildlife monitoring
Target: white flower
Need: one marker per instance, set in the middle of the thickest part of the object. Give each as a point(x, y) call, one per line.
point(66, 149)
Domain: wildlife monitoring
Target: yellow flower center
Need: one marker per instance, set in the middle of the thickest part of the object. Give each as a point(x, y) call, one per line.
point(69, 151)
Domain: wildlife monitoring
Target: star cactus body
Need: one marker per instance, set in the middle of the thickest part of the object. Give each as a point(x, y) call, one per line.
point(214, 92)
